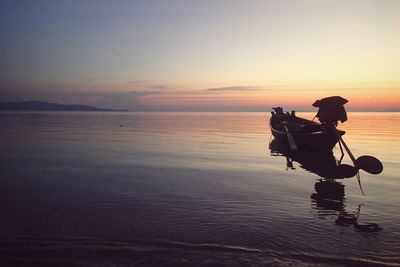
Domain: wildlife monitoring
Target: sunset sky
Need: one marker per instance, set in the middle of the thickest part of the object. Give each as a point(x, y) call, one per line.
point(201, 55)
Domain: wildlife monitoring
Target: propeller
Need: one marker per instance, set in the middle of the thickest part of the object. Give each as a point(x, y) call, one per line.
point(346, 171)
point(366, 163)
point(369, 164)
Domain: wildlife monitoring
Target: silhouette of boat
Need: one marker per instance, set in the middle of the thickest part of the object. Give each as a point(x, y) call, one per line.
point(306, 134)
point(301, 133)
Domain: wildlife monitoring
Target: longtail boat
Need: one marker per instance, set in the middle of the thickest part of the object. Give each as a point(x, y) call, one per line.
point(307, 135)
point(301, 133)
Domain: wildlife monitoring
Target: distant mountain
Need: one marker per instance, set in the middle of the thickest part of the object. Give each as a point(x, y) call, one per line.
point(40, 105)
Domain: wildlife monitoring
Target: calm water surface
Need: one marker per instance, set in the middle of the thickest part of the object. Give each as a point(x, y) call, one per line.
point(185, 189)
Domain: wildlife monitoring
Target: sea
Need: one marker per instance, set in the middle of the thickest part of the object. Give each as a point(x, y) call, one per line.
point(189, 189)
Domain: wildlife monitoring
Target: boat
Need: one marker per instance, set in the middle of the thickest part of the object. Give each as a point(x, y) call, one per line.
point(305, 134)
point(308, 136)
point(302, 133)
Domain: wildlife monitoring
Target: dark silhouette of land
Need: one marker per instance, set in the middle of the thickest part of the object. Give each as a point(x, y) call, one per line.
point(40, 105)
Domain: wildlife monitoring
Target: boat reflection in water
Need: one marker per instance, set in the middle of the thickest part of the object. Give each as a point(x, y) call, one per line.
point(329, 197)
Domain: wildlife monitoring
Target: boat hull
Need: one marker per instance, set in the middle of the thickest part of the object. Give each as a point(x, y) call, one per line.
point(306, 134)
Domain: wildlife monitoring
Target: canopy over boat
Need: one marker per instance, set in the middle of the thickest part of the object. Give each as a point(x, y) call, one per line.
point(331, 110)
point(330, 101)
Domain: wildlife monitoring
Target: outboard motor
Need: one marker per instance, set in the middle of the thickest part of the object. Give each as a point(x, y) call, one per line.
point(331, 110)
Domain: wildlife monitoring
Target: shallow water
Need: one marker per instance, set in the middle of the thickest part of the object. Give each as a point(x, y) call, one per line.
point(187, 189)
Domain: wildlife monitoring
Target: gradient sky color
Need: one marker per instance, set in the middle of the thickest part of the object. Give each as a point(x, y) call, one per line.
point(201, 55)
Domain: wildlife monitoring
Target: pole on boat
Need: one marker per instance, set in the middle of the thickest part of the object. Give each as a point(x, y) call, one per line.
point(354, 162)
point(353, 159)
point(290, 138)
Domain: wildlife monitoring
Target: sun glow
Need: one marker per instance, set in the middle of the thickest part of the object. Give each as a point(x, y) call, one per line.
point(203, 55)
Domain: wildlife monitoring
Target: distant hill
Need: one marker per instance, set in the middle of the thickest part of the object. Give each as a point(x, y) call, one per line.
point(40, 105)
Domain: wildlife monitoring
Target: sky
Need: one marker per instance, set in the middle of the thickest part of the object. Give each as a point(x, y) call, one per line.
point(204, 55)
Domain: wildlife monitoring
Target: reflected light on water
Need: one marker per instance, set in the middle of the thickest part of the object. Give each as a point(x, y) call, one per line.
point(200, 186)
